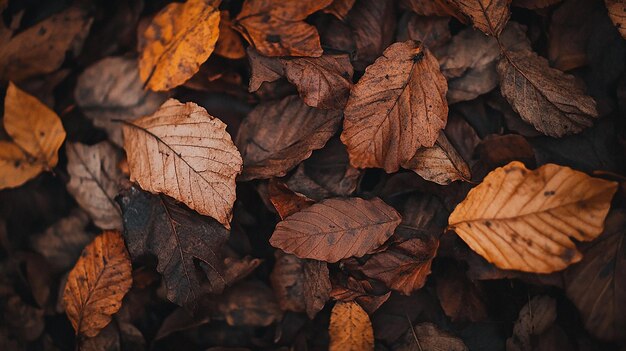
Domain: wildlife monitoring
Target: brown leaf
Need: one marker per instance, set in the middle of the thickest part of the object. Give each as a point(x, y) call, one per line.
point(37, 135)
point(398, 106)
point(177, 41)
point(24, 320)
point(490, 16)
point(95, 180)
point(111, 89)
point(97, 283)
point(438, 8)
point(277, 28)
point(534, 318)
point(552, 101)
point(323, 82)
point(229, 43)
point(460, 298)
point(249, 303)
point(617, 13)
point(350, 328)
point(183, 152)
point(42, 48)
point(534, 4)
point(339, 8)
point(597, 284)
point(263, 69)
point(180, 238)
point(285, 201)
point(362, 291)
point(427, 337)
point(373, 27)
point(523, 220)
point(440, 163)
point(434, 32)
point(336, 228)
point(276, 136)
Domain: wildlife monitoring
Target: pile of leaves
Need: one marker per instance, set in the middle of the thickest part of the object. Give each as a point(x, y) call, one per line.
point(313, 175)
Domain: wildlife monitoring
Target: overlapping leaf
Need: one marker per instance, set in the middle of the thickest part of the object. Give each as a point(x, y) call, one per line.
point(350, 328)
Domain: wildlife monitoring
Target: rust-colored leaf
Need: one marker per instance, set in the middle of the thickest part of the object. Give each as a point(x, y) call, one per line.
point(350, 328)
point(440, 163)
point(339, 8)
point(490, 16)
point(617, 13)
point(229, 43)
point(285, 201)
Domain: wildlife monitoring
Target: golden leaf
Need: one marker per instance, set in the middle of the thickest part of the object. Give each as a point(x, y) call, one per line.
point(97, 284)
point(350, 328)
point(523, 220)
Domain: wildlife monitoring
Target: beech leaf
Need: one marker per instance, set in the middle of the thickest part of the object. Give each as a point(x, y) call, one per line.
point(350, 328)
point(617, 13)
point(440, 163)
point(490, 16)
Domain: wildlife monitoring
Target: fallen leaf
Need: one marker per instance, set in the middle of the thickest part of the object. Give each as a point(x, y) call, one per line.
point(339, 8)
point(489, 16)
point(373, 27)
point(23, 319)
point(95, 180)
point(229, 43)
point(534, 4)
point(348, 289)
point(617, 13)
point(461, 299)
point(263, 69)
point(440, 8)
point(597, 284)
point(520, 219)
point(427, 337)
point(177, 41)
point(350, 328)
point(285, 201)
point(398, 106)
point(440, 163)
point(37, 135)
point(534, 318)
point(322, 82)
point(433, 32)
point(336, 228)
point(277, 136)
point(181, 239)
point(183, 152)
point(249, 303)
point(277, 28)
point(97, 283)
point(111, 89)
point(42, 48)
point(552, 101)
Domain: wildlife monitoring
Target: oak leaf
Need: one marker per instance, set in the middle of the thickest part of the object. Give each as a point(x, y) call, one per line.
point(617, 13)
point(350, 328)
point(334, 229)
point(177, 41)
point(183, 152)
point(277, 28)
point(37, 135)
point(97, 284)
point(552, 101)
point(398, 106)
point(180, 239)
point(95, 180)
point(489, 16)
point(277, 136)
point(523, 220)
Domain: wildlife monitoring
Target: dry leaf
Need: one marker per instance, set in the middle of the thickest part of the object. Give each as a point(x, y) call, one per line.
point(94, 181)
point(263, 69)
point(460, 298)
point(249, 303)
point(178, 40)
point(37, 135)
point(229, 43)
point(534, 4)
point(534, 318)
point(348, 289)
point(277, 136)
point(398, 106)
point(180, 238)
point(427, 337)
point(339, 8)
point(523, 220)
point(552, 101)
point(617, 13)
point(97, 284)
point(111, 89)
point(373, 26)
point(42, 48)
point(597, 284)
point(350, 328)
point(336, 228)
point(441, 163)
point(285, 201)
point(490, 16)
point(433, 32)
point(277, 28)
point(183, 152)
point(434, 8)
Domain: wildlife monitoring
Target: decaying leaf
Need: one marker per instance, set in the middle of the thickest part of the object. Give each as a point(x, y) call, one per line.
point(440, 163)
point(36, 133)
point(617, 12)
point(490, 16)
point(183, 152)
point(181, 239)
point(111, 89)
point(597, 284)
point(95, 180)
point(336, 228)
point(350, 328)
point(277, 28)
point(398, 106)
point(42, 48)
point(178, 40)
point(97, 284)
point(534, 318)
point(426, 336)
point(276, 136)
point(552, 101)
point(523, 220)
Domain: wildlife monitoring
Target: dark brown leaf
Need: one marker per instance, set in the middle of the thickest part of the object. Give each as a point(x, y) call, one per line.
point(373, 26)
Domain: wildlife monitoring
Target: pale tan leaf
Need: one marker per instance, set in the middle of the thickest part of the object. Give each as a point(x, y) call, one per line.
point(490, 16)
point(350, 328)
point(523, 220)
point(552, 101)
point(334, 229)
point(97, 284)
point(185, 153)
point(178, 40)
point(617, 13)
point(398, 106)
point(440, 163)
